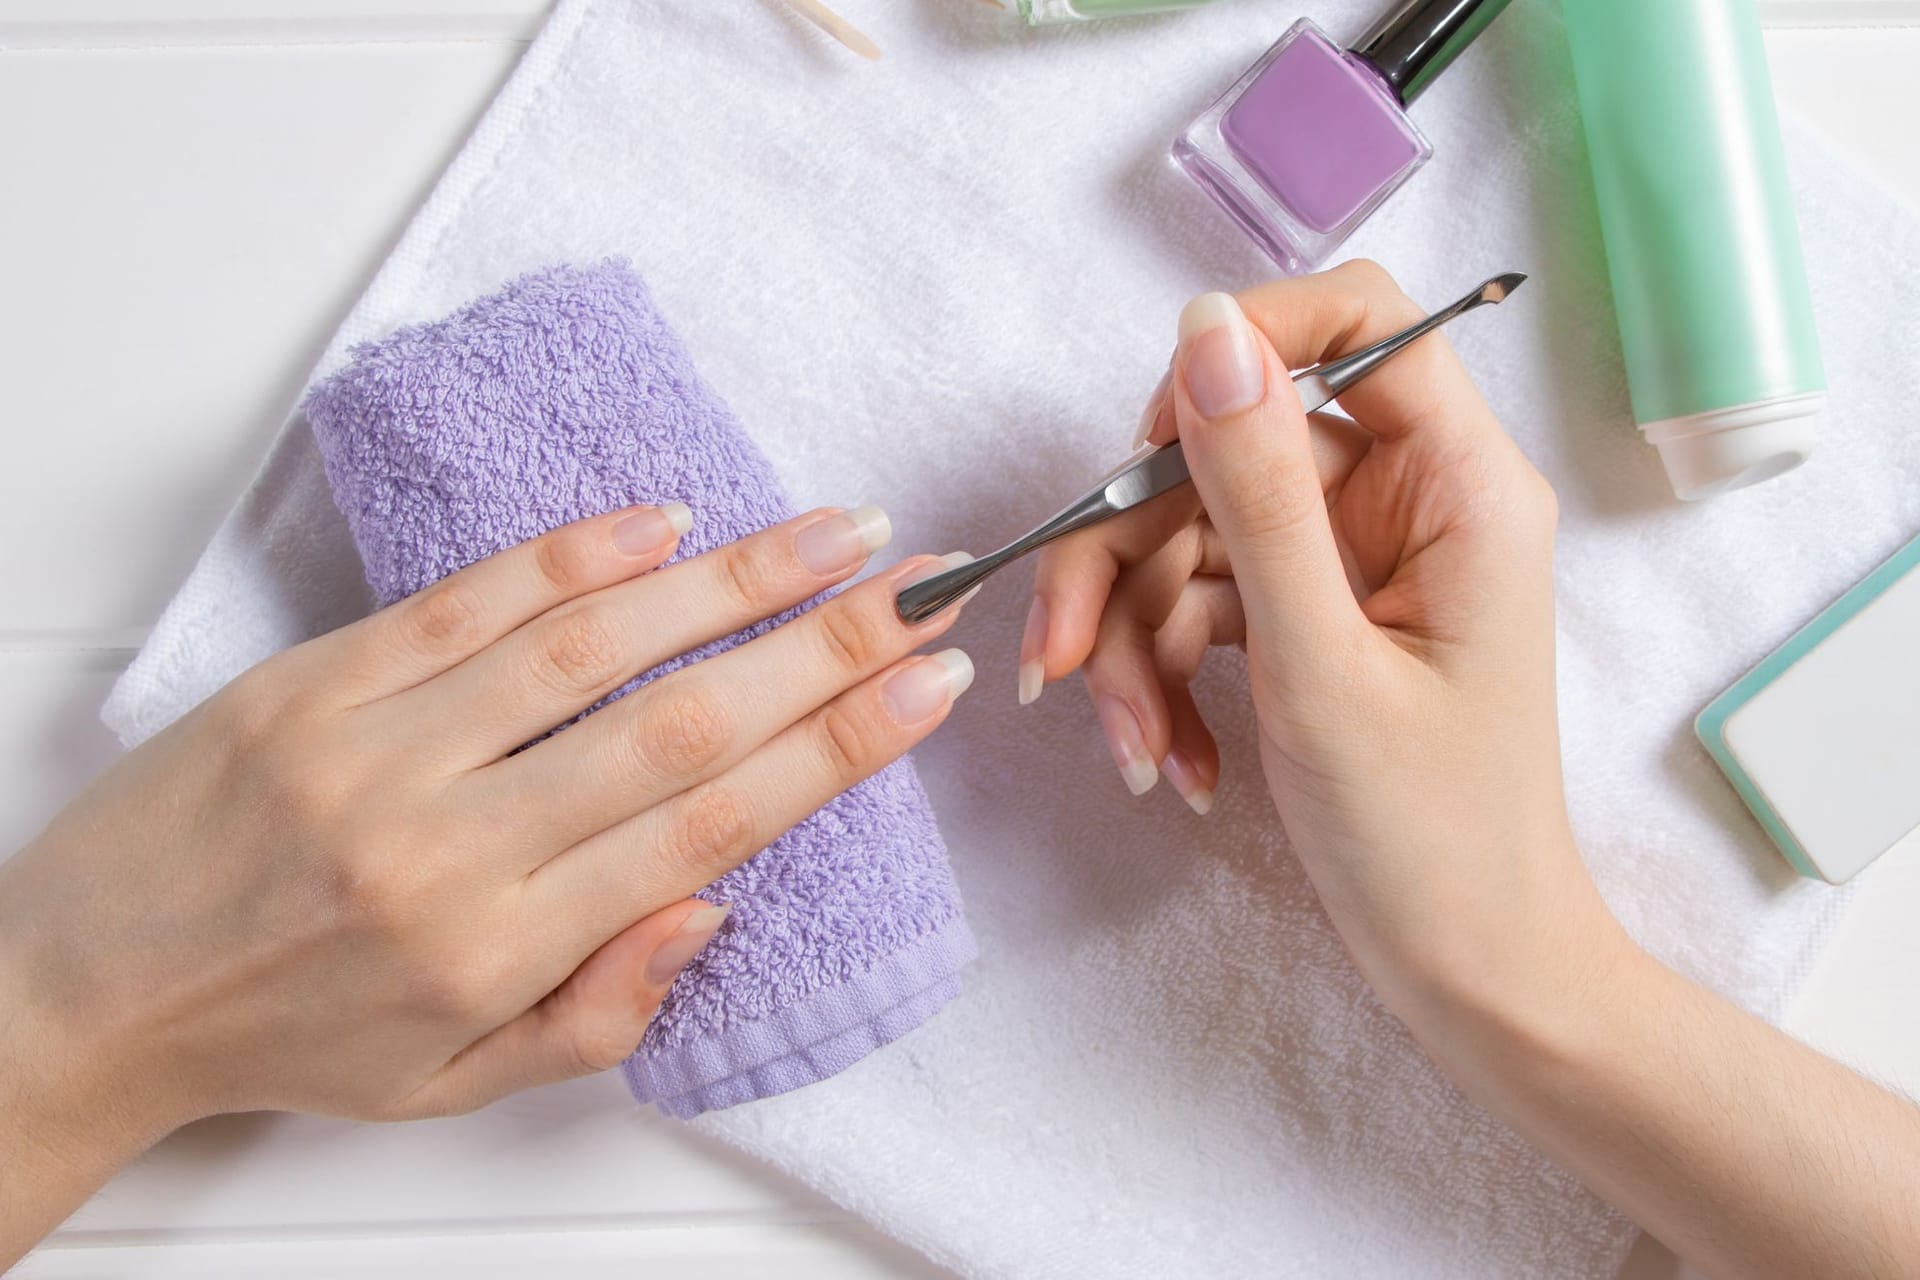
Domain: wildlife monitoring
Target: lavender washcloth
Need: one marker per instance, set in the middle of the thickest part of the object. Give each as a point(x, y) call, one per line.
point(566, 395)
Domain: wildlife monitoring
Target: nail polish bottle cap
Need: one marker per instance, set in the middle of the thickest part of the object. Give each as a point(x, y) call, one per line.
point(1420, 39)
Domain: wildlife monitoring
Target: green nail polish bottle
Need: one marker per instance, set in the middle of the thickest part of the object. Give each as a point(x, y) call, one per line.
point(1040, 12)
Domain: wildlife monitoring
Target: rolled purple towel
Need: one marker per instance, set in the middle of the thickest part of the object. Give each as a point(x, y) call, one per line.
point(566, 395)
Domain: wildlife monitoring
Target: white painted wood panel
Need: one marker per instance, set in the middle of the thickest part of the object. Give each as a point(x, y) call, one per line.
point(842, 1251)
point(180, 233)
point(51, 738)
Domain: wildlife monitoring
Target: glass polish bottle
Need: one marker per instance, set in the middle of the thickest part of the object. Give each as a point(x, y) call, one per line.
point(1041, 12)
point(1314, 137)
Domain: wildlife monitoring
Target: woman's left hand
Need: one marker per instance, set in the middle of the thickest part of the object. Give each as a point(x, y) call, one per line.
point(340, 886)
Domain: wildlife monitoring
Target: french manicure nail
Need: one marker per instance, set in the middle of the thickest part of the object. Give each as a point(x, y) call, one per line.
point(651, 529)
point(1128, 745)
point(924, 688)
point(839, 542)
point(1033, 654)
point(1225, 374)
point(694, 933)
point(951, 560)
point(1186, 780)
point(1151, 414)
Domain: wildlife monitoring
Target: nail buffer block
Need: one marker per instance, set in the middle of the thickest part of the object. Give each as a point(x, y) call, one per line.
point(1822, 739)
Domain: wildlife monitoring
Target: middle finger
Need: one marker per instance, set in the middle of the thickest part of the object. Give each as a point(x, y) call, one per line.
point(693, 725)
point(557, 665)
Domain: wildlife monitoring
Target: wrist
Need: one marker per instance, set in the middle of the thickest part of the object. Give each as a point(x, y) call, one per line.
point(64, 1134)
point(76, 1100)
point(1522, 970)
point(1537, 1005)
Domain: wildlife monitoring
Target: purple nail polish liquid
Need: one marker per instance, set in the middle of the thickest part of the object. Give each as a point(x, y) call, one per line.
point(1314, 137)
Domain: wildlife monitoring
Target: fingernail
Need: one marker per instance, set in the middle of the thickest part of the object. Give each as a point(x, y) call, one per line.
point(1151, 414)
point(1033, 654)
point(1224, 371)
point(694, 933)
point(925, 687)
point(1186, 780)
point(651, 529)
point(951, 560)
point(1129, 746)
point(839, 542)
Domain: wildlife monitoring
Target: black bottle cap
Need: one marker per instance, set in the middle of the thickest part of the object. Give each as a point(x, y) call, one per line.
point(1420, 39)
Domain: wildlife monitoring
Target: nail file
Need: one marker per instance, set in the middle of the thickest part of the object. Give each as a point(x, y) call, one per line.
point(1822, 739)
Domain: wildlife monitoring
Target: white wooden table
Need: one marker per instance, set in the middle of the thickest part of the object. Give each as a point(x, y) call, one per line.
point(192, 192)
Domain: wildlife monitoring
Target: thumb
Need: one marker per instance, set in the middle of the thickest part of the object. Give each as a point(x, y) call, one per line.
point(590, 1023)
point(1250, 450)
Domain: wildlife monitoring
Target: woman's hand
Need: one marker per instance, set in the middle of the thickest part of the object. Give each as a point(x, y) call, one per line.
point(1391, 580)
point(338, 887)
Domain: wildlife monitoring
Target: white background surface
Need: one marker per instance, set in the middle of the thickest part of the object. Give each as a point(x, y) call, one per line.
point(192, 192)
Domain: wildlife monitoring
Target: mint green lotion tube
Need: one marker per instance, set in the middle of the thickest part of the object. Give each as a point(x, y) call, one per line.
point(1709, 286)
point(1040, 12)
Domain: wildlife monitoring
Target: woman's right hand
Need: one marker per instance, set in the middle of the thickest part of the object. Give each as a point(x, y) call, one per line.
point(338, 886)
point(1391, 580)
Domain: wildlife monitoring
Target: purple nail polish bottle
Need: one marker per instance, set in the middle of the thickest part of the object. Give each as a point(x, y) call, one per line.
point(1314, 137)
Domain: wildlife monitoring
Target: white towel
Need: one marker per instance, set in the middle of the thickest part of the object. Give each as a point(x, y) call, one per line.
point(945, 282)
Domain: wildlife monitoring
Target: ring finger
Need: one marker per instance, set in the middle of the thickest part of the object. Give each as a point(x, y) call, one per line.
point(601, 885)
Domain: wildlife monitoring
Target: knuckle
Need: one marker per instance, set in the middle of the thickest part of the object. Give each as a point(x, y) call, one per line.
point(854, 638)
point(1267, 500)
point(245, 714)
point(749, 576)
point(579, 652)
point(1546, 502)
point(684, 732)
point(454, 994)
point(714, 832)
point(444, 615)
point(1369, 275)
point(1384, 304)
point(850, 743)
point(361, 892)
point(566, 560)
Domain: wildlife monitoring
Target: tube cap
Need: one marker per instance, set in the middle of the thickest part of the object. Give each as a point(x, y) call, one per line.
point(1707, 454)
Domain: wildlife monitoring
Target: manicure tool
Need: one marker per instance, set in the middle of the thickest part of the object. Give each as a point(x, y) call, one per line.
point(1153, 471)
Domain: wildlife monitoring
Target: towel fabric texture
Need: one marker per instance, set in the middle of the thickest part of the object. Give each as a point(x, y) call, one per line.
point(946, 282)
point(563, 396)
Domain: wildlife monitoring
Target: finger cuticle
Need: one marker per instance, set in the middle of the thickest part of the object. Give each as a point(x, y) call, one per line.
point(688, 941)
point(839, 542)
point(651, 528)
point(1224, 372)
point(927, 686)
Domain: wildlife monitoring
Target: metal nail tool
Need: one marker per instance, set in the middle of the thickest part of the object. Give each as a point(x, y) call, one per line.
point(1153, 471)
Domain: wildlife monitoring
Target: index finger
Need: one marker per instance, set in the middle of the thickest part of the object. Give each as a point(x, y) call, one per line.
point(1076, 574)
point(1424, 390)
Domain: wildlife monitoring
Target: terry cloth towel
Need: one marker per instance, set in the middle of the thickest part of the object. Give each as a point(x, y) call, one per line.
point(946, 282)
point(563, 396)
